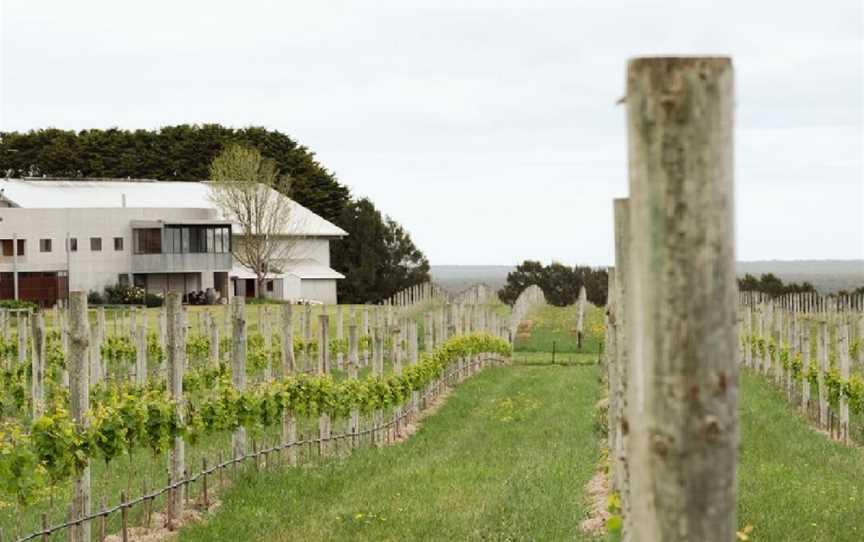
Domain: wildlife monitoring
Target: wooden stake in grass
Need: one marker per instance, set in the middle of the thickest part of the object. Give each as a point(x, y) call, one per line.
point(843, 354)
point(626, 388)
point(37, 365)
point(238, 363)
point(323, 369)
point(682, 299)
point(353, 362)
point(289, 422)
point(79, 399)
point(176, 360)
point(580, 316)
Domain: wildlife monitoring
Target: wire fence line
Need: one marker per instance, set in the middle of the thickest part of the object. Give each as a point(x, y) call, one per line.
point(461, 370)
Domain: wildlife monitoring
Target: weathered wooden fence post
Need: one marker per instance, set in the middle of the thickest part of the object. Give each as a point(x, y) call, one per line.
point(682, 299)
point(323, 369)
point(37, 365)
point(629, 369)
point(238, 363)
point(79, 402)
point(176, 359)
point(580, 316)
point(353, 362)
point(289, 421)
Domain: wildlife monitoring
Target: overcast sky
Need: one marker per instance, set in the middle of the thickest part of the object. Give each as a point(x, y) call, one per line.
point(489, 129)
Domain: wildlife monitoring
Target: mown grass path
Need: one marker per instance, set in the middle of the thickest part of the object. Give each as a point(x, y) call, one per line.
point(505, 458)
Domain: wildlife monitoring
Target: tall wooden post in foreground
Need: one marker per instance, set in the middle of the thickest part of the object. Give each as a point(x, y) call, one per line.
point(289, 421)
point(79, 401)
point(238, 363)
point(176, 365)
point(682, 299)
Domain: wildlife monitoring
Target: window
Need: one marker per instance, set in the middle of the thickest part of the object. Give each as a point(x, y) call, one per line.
point(95, 244)
point(73, 244)
point(123, 279)
point(149, 241)
point(269, 285)
point(118, 243)
point(7, 244)
point(44, 245)
point(197, 239)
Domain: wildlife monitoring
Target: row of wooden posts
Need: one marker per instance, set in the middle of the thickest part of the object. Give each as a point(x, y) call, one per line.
point(793, 321)
point(440, 323)
point(131, 322)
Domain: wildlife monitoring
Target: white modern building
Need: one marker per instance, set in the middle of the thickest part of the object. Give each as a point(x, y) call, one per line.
point(58, 235)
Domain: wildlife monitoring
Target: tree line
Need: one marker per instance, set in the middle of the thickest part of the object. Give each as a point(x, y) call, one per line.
point(771, 285)
point(560, 283)
point(378, 257)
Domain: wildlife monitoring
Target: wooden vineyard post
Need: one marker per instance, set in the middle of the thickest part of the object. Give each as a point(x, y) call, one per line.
point(215, 355)
point(307, 337)
point(323, 369)
point(101, 334)
point(22, 324)
point(238, 364)
point(353, 362)
point(340, 333)
point(805, 366)
point(267, 327)
point(612, 371)
point(378, 371)
point(176, 359)
point(37, 365)
point(681, 299)
point(429, 333)
point(289, 421)
point(843, 355)
point(396, 352)
point(415, 357)
point(630, 378)
point(141, 350)
point(822, 360)
point(580, 316)
point(366, 334)
point(79, 402)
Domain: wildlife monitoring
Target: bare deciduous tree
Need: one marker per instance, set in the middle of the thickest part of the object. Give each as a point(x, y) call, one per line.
point(243, 187)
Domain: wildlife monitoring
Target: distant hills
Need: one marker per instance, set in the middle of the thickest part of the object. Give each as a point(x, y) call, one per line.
point(826, 275)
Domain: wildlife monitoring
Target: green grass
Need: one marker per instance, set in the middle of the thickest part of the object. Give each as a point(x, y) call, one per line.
point(547, 325)
point(794, 484)
point(546, 358)
point(505, 458)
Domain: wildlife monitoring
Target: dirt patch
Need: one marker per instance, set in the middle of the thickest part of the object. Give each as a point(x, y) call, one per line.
point(414, 423)
point(523, 332)
point(159, 531)
point(597, 490)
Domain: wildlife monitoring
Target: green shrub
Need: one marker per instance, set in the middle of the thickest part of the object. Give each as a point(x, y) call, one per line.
point(17, 304)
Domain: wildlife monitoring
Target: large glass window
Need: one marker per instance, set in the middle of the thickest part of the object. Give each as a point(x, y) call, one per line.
point(147, 241)
point(197, 239)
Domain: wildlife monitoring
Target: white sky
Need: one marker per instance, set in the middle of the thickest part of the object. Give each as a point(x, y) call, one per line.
point(488, 129)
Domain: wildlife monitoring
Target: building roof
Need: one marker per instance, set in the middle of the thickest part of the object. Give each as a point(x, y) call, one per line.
point(102, 194)
point(303, 268)
point(311, 269)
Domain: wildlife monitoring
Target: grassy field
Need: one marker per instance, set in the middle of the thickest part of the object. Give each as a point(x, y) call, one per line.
point(505, 458)
point(547, 325)
point(794, 484)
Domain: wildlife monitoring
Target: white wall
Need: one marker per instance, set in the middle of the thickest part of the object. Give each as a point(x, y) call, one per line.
point(317, 249)
point(88, 270)
point(323, 290)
